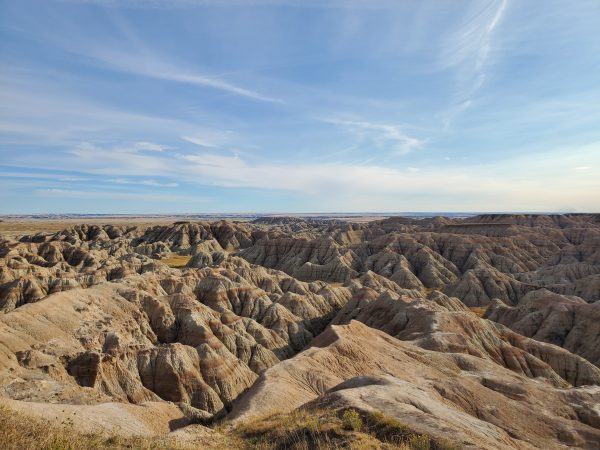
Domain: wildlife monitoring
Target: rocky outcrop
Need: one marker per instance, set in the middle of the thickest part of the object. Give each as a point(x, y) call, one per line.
point(452, 396)
point(476, 259)
point(435, 327)
point(112, 375)
point(199, 338)
point(30, 272)
point(568, 322)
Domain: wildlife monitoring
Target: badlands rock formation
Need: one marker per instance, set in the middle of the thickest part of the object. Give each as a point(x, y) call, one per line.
point(470, 399)
point(286, 313)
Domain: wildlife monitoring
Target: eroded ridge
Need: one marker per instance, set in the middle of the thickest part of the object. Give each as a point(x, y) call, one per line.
point(203, 321)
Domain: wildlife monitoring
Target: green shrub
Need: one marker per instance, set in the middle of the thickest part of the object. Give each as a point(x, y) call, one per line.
point(351, 420)
point(312, 424)
point(444, 444)
point(419, 442)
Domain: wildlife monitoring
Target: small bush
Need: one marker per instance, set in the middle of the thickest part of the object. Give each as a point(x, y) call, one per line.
point(351, 420)
point(388, 429)
point(312, 424)
point(444, 444)
point(419, 442)
point(380, 420)
point(297, 430)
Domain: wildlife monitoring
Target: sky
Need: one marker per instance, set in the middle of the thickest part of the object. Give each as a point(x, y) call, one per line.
point(274, 106)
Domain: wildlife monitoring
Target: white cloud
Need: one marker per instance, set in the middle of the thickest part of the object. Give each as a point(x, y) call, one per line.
point(209, 160)
point(507, 185)
point(42, 176)
point(149, 146)
point(582, 168)
point(177, 4)
point(142, 182)
point(196, 140)
point(132, 196)
point(36, 113)
point(467, 50)
point(380, 135)
point(154, 67)
point(470, 43)
point(116, 160)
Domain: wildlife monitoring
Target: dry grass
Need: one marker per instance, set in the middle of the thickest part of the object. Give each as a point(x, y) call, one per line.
point(322, 429)
point(302, 430)
point(479, 311)
point(176, 261)
point(298, 430)
point(391, 430)
point(351, 420)
point(428, 291)
point(20, 432)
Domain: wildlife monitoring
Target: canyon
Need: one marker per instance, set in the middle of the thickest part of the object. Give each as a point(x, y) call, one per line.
point(478, 332)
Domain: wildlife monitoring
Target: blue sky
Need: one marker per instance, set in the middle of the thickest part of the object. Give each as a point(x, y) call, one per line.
point(147, 106)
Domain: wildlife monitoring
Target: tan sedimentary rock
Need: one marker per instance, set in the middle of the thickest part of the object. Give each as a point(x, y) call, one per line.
point(435, 327)
point(462, 398)
point(91, 316)
point(568, 322)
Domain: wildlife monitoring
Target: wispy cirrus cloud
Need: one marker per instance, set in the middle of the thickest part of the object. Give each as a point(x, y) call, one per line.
point(32, 112)
point(182, 4)
point(199, 140)
point(149, 146)
point(152, 183)
point(151, 66)
point(130, 55)
point(41, 176)
point(467, 51)
point(104, 195)
point(353, 184)
point(64, 178)
point(124, 100)
point(380, 135)
point(470, 42)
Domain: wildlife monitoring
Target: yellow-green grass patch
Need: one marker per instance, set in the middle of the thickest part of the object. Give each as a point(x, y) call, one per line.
point(176, 261)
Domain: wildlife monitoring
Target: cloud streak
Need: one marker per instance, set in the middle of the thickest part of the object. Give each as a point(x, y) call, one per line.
point(379, 135)
point(153, 67)
point(34, 114)
point(313, 179)
point(468, 50)
point(183, 4)
point(130, 196)
point(152, 183)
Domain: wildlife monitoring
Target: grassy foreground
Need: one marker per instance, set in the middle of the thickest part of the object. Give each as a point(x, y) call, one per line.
point(299, 430)
point(20, 432)
point(309, 429)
